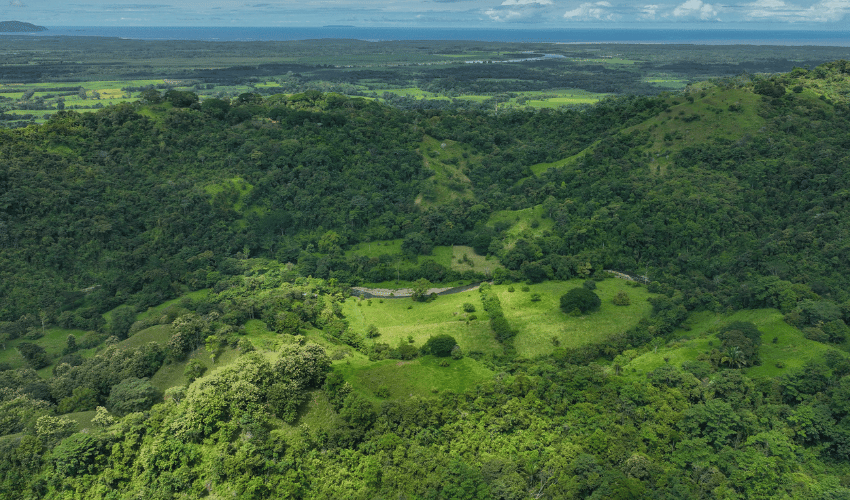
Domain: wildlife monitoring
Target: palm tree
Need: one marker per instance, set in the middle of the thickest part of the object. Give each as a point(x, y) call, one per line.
point(734, 357)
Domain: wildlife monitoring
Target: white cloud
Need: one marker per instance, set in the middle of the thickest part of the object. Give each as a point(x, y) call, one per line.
point(503, 15)
point(778, 10)
point(527, 2)
point(648, 11)
point(586, 11)
point(695, 8)
point(827, 10)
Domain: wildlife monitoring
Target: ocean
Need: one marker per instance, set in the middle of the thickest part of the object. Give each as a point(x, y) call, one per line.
point(663, 36)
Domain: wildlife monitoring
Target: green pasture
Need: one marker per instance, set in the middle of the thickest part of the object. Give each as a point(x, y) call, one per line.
point(540, 168)
point(398, 319)
point(521, 223)
point(158, 310)
point(715, 114)
point(540, 323)
point(171, 374)
point(449, 182)
point(419, 377)
point(791, 349)
point(53, 341)
point(666, 82)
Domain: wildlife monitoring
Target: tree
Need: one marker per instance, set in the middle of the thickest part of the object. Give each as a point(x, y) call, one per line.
point(420, 290)
point(34, 354)
point(440, 345)
point(122, 319)
point(416, 244)
point(151, 96)
point(580, 298)
point(102, 417)
point(131, 395)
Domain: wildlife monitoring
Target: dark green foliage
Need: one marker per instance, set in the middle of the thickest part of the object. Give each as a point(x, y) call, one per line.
point(589, 284)
point(82, 399)
point(284, 398)
point(439, 345)
point(580, 298)
point(121, 321)
point(35, 355)
point(416, 244)
point(194, 369)
point(744, 337)
point(131, 395)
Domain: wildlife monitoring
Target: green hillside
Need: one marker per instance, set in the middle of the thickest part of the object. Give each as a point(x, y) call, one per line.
point(645, 298)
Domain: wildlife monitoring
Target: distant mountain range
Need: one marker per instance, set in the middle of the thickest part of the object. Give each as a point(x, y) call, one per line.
point(18, 27)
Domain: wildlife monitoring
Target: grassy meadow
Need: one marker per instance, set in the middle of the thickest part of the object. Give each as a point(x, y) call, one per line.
point(790, 352)
point(398, 319)
point(539, 324)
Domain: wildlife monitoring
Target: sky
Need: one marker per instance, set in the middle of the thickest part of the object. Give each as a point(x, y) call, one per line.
point(685, 14)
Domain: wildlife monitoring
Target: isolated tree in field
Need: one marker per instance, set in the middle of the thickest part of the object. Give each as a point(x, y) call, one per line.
point(440, 345)
point(580, 298)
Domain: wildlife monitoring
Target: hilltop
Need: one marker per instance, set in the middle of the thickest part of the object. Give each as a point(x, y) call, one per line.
point(19, 27)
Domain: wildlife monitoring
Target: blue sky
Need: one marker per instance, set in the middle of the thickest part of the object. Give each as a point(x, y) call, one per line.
point(754, 14)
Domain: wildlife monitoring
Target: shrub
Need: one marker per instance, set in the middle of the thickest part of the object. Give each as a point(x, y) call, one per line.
point(621, 299)
point(580, 299)
point(589, 284)
point(535, 297)
point(467, 307)
point(383, 392)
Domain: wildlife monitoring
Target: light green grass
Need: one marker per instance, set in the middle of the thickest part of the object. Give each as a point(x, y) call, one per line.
point(473, 262)
point(424, 319)
point(82, 418)
point(171, 374)
point(521, 224)
point(791, 349)
point(53, 341)
point(539, 322)
point(422, 377)
point(159, 309)
point(158, 333)
point(540, 168)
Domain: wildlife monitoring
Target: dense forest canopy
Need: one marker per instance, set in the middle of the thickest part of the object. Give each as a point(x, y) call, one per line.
point(727, 197)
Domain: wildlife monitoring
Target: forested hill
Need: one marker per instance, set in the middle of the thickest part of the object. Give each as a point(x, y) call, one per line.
point(722, 191)
point(19, 27)
point(727, 376)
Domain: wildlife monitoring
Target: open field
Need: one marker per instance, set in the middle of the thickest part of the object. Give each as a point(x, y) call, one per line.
point(791, 349)
point(398, 319)
point(526, 223)
point(540, 323)
point(420, 377)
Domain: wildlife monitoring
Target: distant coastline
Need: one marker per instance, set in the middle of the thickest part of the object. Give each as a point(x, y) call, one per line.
point(588, 35)
point(19, 27)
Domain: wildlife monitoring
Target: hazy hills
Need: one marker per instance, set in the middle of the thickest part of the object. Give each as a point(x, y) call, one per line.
point(19, 27)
